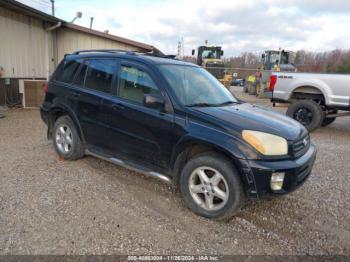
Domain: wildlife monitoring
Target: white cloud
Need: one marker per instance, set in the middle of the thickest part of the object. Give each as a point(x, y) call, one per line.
point(249, 25)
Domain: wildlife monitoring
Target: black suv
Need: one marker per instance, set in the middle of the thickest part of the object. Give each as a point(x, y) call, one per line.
point(173, 120)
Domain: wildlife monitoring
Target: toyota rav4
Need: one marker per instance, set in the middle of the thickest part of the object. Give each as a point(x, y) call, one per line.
point(174, 121)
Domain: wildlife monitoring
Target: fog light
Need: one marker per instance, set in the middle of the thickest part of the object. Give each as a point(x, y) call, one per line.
point(277, 181)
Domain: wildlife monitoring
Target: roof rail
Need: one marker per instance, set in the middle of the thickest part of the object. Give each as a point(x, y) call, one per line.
point(103, 51)
point(157, 54)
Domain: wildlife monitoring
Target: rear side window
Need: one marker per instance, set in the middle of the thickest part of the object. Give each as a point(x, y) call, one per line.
point(68, 72)
point(99, 74)
point(134, 84)
point(80, 78)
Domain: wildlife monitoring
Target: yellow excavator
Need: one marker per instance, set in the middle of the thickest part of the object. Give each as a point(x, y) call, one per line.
point(210, 58)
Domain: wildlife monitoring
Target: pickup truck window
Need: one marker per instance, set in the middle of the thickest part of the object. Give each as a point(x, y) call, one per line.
point(194, 86)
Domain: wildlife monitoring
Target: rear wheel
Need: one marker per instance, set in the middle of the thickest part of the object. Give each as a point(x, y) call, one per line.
point(66, 140)
point(211, 186)
point(307, 112)
point(329, 120)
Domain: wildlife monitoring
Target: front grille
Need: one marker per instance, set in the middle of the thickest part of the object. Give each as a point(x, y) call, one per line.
point(301, 145)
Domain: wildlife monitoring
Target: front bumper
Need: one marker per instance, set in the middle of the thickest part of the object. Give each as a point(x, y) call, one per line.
point(296, 171)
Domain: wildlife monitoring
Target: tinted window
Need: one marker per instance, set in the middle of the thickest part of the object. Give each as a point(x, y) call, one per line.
point(68, 72)
point(99, 74)
point(80, 78)
point(134, 84)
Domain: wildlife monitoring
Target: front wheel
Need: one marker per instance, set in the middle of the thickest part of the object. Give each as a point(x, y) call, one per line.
point(306, 112)
point(211, 186)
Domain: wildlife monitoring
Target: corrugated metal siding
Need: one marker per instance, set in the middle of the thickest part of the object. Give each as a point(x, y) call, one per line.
point(24, 46)
point(72, 40)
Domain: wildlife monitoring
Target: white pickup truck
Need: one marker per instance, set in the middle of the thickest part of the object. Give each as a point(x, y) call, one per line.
point(315, 98)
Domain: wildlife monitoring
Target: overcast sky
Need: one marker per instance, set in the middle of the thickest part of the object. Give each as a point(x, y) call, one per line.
point(238, 26)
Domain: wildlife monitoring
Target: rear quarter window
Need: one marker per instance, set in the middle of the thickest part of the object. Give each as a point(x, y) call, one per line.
point(67, 72)
point(99, 74)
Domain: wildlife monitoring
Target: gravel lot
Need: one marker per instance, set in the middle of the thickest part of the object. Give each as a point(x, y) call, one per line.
point(48, 206)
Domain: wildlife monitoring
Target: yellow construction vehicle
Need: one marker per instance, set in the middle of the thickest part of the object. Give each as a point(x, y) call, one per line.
point(210, 57)
point(272, 60)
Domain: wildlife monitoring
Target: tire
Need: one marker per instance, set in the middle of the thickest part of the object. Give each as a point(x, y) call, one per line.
point(221, 178)
point(329, 120)
point(306, 112)
point(66, 140)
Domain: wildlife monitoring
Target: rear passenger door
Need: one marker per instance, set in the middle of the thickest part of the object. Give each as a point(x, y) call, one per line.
point(94, 83)
point(137, 132)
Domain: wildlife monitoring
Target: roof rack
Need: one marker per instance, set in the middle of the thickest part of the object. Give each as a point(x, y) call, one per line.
point(156, 53)
point(103, 51)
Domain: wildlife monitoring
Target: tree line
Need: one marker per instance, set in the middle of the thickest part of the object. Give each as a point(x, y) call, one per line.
point(335, 61)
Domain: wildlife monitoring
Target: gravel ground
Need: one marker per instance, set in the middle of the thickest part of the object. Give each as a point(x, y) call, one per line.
point(90, 206)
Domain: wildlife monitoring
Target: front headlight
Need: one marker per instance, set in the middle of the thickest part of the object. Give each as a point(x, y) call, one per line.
point(266, 144)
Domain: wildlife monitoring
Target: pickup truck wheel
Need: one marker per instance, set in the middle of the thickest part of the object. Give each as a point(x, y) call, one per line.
point(329, 120)
point(66, 140)
point(307, 112)
point(211, 186)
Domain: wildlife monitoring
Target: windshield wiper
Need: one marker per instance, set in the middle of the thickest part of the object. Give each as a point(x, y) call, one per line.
point(227, 103)
point(212, 105)
point(200, 105)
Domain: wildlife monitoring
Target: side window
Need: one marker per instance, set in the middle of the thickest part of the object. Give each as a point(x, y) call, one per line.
point(134, 84)
point(99, 74)
point(68, 72)
point(80, 78)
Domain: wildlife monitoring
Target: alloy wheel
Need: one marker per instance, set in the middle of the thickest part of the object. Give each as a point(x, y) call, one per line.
point(304, 116)
point(64, 139)
point(208, 188)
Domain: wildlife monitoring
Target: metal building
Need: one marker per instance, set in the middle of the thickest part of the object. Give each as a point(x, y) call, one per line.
point(32, 43)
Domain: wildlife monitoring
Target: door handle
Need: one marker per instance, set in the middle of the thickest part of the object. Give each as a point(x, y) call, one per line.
point(117, 107)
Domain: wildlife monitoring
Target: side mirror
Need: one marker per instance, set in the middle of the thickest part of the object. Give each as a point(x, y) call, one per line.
point(263, 56)
point(193, 51)
point(153, 101)
point(222, 52)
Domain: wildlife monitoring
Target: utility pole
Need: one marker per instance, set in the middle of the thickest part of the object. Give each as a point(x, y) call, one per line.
point(53, 7)
point(91, 21)
point(179, 48)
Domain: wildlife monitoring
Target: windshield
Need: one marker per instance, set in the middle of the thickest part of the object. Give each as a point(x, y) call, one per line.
point(273, 58)
point(195, 86)
point(211, 53)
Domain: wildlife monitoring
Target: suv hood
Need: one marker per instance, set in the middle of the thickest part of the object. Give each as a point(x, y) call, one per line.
point(252, 117)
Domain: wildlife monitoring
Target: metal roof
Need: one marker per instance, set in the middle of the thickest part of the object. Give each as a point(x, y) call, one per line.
point(29, 11)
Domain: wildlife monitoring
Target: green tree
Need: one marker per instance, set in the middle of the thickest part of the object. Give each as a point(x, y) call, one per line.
point(345, 67)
